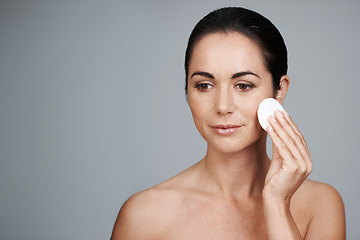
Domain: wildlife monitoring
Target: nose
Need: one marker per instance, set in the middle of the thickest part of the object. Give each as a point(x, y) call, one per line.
point(225, 101)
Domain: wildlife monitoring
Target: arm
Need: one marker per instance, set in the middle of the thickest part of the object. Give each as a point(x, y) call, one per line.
point(136, 218)
point(280, 223)
point(291, 164)
point(327, 222)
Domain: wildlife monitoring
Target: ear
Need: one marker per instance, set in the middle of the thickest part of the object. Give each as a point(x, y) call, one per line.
point(284, 85)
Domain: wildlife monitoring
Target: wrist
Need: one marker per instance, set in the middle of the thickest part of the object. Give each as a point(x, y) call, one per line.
point(276, 208)
point(269, 197)
point(279, 219)
point(276, 204)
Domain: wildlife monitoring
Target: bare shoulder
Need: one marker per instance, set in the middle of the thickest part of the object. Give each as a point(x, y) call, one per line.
point(317, 192)
point(145, 214)
point(326, 210)
point(135, 218)
point(321, 197)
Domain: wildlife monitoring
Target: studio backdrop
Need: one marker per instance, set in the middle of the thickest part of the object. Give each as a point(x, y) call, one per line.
point(93, 109)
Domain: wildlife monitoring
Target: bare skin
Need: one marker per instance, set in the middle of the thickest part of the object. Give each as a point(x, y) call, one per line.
point(235, 191)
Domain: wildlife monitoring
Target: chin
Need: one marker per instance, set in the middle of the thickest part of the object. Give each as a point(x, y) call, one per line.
point(228, 146)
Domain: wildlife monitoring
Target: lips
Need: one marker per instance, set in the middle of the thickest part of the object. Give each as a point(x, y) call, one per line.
point(226, 129)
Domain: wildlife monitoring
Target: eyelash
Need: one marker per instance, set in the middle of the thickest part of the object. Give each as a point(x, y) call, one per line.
point(248, 86)
point(207, 85)
point(199, 85)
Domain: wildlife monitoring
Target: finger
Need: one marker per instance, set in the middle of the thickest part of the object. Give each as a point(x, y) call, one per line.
point(292, 134)
point(289, 162)
point(296, 138)
point(281, 146)
point(299, 136)
point(291, 122)
point(293, 125)
point(284, 137)
point(275, 166)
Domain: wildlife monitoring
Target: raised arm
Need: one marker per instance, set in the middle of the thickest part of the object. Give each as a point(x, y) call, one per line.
point(291, 164)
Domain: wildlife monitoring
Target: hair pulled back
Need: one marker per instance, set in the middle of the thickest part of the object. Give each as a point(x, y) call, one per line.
point(252, 25)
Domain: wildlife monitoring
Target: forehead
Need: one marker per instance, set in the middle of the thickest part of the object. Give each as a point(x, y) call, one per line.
point(226, 52)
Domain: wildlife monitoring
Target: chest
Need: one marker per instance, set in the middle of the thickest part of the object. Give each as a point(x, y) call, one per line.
point(206, 220)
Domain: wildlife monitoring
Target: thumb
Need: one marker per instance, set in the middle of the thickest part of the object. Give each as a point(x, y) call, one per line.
point(275, 152)
point(275, 165)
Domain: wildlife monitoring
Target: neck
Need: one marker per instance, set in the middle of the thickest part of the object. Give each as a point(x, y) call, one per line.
point(240, 174)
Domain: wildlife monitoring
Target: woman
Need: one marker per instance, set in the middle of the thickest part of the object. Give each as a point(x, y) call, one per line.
point(235, 58)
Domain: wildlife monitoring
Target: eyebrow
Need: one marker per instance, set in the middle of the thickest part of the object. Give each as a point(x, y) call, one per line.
point(205, 74)
point(240, 74)
point(236, 75)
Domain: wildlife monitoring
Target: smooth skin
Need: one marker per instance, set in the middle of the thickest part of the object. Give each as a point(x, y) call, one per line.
point(235, 191)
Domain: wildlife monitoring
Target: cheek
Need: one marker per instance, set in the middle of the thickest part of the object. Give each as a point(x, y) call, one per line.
point(249, 110)
point(200, 111)
point(197, 111)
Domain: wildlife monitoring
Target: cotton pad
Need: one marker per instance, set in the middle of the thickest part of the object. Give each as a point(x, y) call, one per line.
point(266, 109)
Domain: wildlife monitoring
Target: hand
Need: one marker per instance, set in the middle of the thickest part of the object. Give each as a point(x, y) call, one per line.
point(291, 161)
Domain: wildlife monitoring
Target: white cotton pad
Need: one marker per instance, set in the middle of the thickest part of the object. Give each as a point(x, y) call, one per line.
point(266, 108)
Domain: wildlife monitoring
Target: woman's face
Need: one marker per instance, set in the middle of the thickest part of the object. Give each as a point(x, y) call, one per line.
point(227, 81)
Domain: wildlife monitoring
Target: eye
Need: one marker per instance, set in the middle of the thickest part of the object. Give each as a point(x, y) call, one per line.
point(203, 86)
point(244, 86)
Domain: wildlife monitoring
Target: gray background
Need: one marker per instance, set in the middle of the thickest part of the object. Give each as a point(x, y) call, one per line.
point(92, 106)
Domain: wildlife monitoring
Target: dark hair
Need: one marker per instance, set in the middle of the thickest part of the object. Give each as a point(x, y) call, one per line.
point(252, 25)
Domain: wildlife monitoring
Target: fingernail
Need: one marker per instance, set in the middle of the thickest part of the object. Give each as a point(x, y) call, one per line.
point(280, 113)
point(270, 128)
point(272, 119)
